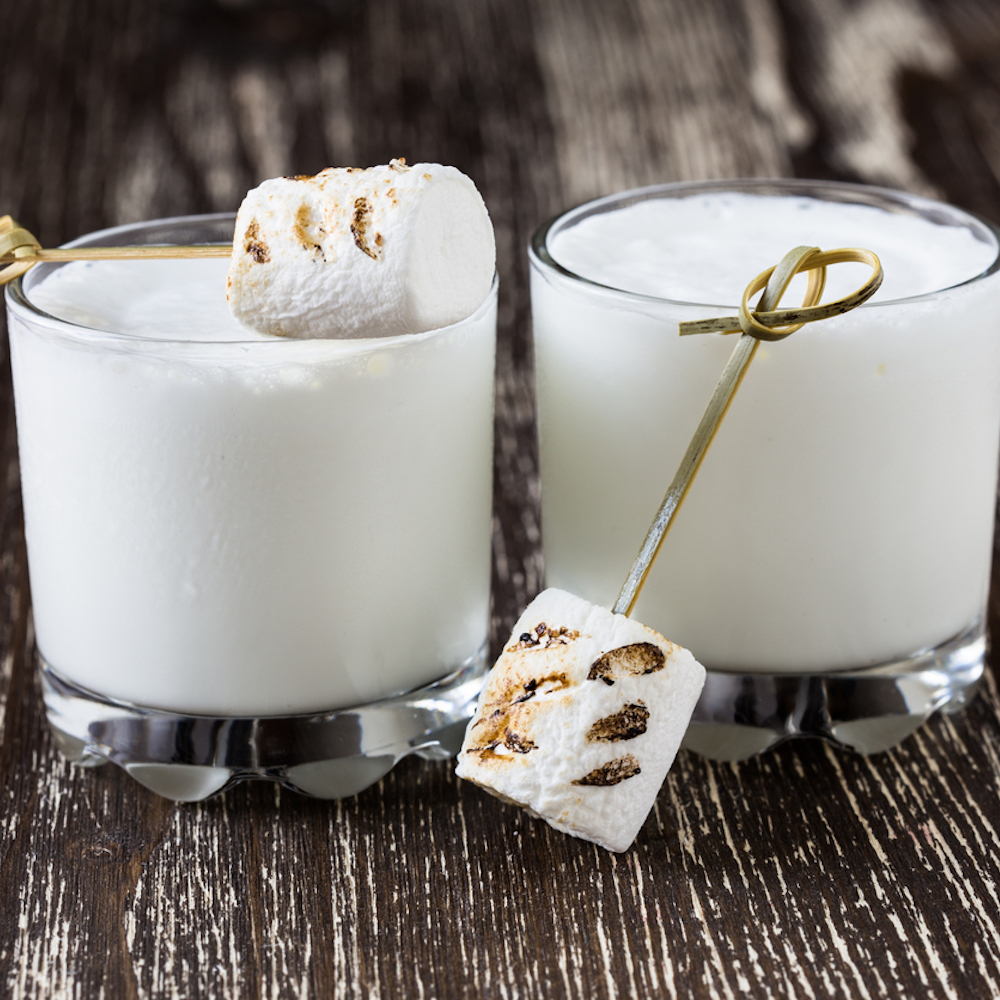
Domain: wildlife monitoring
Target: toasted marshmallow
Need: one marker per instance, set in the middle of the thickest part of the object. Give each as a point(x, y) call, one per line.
point(361, 253)
point(581, 718)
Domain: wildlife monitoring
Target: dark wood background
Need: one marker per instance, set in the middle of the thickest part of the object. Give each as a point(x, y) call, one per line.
point(804, 873)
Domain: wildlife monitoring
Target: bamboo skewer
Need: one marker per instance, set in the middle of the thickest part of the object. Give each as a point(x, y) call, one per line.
point(767, 323)
point(178, 252)
point(19, 251)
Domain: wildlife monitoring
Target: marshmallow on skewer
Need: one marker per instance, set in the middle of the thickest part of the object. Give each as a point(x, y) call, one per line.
point(581, 718)
point(361, 252)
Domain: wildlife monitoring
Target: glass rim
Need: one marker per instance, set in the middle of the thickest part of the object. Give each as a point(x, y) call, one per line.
point(18, 301)
point(885, 198)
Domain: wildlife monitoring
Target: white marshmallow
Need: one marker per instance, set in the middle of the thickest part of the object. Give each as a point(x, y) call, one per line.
point(581, 718)
point(361, 253)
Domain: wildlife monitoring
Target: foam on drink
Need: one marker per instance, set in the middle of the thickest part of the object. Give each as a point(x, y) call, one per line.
point(707, 248)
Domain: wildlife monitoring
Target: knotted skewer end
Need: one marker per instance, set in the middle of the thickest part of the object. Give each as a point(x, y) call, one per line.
point(776, 324)
point(16, 242)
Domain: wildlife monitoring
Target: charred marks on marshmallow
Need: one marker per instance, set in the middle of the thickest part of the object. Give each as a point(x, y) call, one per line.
point(542, 637)
point(634, 660)
point(508, 710)
point(254, 245)
point(626, 724)
point(511, 743)
point(613, 773)
point(360, 225)
point(496, 730)
point(310, 236)
point(543, 685)
point(517, 743)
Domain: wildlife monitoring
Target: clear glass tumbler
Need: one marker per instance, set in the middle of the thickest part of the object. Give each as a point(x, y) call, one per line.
point(831, 564)
point(249, 557)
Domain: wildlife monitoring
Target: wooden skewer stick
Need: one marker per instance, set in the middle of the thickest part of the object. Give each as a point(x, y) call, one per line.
point(19, 250)
point(177, 252)
point(767, 323)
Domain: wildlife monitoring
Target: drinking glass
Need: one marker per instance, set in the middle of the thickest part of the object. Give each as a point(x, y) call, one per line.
point(249, 558)
point(831, 565)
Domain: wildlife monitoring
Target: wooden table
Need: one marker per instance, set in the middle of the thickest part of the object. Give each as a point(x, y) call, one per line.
point(804, 873)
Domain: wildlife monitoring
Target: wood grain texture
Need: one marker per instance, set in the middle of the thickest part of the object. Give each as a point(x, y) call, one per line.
point(804, 873)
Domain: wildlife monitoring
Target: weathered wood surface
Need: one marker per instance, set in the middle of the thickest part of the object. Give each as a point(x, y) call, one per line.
point(805, 873)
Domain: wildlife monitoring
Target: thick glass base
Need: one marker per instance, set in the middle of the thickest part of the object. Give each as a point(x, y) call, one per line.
point(867, 710)
point(329, 755)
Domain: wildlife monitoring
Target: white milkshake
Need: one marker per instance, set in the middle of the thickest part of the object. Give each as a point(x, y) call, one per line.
point(844, 515)
point(220, 522)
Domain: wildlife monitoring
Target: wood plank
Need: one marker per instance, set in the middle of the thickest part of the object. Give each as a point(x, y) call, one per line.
point(804, 873)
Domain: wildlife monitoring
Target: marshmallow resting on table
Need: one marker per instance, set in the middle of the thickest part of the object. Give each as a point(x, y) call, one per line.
point(358, 252)
point(581, 718)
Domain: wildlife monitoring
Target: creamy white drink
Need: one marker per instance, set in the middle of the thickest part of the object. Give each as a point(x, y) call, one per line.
point(219, 522)
point(844, 515)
